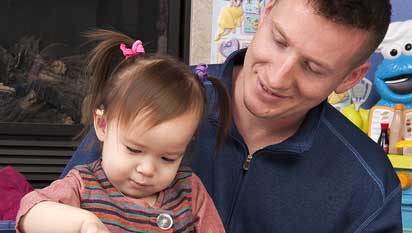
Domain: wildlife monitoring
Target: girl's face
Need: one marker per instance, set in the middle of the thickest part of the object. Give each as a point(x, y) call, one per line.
point(141, 161)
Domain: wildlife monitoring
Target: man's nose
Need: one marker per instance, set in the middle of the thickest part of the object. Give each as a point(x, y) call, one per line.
point(281, 72)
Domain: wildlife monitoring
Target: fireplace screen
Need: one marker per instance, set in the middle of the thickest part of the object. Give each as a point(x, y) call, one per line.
point(42, 51)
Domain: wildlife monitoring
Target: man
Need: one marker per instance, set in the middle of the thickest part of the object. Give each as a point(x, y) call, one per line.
point(291, 162)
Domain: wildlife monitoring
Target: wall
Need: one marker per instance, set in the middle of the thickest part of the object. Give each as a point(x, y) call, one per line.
point(201, 29)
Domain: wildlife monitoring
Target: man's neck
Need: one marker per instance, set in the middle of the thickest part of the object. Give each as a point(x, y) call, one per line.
point(260, 132)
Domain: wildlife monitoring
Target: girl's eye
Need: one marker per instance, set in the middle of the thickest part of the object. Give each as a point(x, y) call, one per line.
point(136, 151)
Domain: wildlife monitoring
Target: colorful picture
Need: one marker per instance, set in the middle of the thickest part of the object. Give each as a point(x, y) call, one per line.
point(233, 24)
point(250, 23)
point(253, 6)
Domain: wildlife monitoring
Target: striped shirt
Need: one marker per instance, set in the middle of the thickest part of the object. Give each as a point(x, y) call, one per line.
point(185, 200)
point(109, 205)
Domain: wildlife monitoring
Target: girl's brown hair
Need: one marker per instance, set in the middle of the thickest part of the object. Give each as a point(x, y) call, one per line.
point(159, 87)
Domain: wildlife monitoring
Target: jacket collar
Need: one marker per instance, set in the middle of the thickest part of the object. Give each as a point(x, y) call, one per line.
point(234, 59)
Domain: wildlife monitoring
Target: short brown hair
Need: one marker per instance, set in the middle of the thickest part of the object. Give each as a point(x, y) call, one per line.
point(369, 15)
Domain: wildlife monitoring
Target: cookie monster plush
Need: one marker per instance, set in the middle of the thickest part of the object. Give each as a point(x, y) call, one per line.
point(393, 77)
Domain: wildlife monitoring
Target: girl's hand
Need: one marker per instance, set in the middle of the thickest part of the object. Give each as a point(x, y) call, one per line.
point(93, 226)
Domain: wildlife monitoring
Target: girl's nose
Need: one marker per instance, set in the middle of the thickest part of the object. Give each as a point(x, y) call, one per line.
point(146, 167)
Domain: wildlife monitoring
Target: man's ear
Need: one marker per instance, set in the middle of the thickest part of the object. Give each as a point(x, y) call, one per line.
point(353, 78)
point(100, 126)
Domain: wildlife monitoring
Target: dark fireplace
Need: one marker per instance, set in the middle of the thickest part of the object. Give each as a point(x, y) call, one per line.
point(42, 80)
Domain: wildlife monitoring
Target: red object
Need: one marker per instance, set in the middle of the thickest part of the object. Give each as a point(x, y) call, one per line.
point(13, 186)
point(383, 140)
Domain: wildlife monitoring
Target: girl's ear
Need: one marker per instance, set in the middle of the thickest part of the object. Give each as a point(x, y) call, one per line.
point(100, 125)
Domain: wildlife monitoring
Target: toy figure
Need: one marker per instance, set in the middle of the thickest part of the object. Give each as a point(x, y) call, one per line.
point(393, 78)
point(349, 103)
point(230, 18)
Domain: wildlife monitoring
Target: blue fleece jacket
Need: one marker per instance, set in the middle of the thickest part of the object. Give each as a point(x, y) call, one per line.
point(328, 177)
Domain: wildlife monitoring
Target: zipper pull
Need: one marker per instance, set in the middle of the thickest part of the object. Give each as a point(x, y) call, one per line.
point(246, 165)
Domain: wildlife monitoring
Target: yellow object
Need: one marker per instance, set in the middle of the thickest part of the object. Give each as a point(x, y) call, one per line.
point(229, 18)
point(255, 24)
point(401, 161)
point(405, 179)
point(257, 5)
point(402, 144)
point(335, 98)
point(365, 119)
point(406, 145)
point(358, 118)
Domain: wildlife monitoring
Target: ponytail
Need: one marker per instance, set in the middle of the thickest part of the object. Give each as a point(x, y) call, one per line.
point(99, 65)
point(223, 103)
point(224, 109)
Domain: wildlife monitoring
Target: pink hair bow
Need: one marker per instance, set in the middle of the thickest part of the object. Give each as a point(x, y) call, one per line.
point(137, 48)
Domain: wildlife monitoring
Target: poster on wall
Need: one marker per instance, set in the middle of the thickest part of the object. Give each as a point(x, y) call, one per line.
point(234, 23)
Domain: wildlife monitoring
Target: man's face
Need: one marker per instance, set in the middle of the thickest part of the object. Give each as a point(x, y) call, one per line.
point(296, 59)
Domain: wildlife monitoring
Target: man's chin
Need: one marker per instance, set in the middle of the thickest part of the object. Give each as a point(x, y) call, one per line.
point(261, 112)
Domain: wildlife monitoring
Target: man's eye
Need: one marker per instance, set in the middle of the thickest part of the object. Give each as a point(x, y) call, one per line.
point(133, 150)
point(278, 40)
point(170, 160)
point(309, 68)
point(280, 43)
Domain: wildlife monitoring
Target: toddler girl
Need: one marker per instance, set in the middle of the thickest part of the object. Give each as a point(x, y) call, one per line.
point(145, 111)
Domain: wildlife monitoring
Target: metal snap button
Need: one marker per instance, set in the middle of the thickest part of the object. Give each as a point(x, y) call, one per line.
point(164, 221)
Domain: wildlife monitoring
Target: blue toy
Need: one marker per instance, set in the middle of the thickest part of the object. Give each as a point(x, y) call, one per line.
point(393, 77)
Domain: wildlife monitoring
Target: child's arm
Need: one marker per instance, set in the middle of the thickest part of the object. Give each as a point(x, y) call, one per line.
point(206, 217)
point(55, 206)
point(49, 216)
